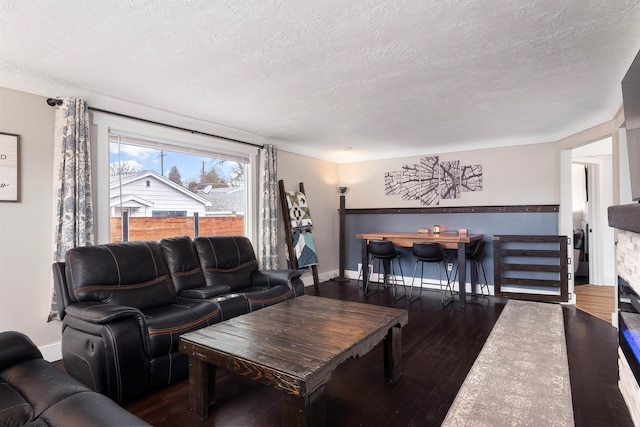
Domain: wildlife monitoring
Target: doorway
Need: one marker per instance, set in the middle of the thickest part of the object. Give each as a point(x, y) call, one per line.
point(593, 240)
point(592, 194)
point(580, 208)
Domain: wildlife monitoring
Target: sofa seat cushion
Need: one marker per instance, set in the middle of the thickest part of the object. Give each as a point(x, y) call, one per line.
point(41, 383)
point(78, 409)
point(165, 324)
point(206, 292)
point(14, 409)
point(36, 393)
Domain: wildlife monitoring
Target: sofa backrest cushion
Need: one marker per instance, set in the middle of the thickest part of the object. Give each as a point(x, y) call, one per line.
point(182, 261)
point(226, 260)
point(133, 274)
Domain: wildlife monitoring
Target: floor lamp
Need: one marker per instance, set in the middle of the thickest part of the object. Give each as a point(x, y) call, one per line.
point(341, 261)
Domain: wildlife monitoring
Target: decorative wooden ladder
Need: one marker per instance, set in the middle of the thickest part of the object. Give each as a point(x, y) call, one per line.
point(293, 262)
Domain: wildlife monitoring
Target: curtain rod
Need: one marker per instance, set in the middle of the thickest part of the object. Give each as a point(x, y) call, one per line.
point(55, 101)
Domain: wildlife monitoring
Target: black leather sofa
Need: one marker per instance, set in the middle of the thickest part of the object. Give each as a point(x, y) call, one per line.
point(124, 305)
point(33, 392)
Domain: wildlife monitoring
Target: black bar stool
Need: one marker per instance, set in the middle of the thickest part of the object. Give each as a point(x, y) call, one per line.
point(475, 254)
point(430, 253)
point(385, 253)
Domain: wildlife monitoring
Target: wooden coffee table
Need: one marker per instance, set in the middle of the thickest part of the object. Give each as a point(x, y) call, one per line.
point(293, 346)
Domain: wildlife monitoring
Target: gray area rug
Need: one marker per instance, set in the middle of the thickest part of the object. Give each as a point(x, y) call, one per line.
point(521, 377)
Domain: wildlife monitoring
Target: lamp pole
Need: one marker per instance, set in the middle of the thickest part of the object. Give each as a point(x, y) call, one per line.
point(341, 260)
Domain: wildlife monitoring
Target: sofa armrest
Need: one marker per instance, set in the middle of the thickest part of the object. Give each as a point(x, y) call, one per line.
point(60, 286)
point(16, 347)
point(102, 313)
point(270, 278)
point(205, 292)
point(107, 347)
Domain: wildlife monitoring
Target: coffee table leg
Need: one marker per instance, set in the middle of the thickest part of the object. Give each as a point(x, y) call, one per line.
point(202, 387)
point(307, 411)
point(393, 354)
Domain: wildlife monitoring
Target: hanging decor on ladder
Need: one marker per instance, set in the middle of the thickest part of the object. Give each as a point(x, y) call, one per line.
point(301, 248)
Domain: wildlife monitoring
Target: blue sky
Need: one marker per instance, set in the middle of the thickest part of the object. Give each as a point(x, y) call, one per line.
point(189, 165)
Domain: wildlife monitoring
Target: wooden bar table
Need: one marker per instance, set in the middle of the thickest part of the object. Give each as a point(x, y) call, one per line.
point(406, 240)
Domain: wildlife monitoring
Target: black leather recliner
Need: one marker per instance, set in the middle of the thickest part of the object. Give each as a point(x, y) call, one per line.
point(123, 318)
point(231, 261)
point(33, 392)
point(224, 269)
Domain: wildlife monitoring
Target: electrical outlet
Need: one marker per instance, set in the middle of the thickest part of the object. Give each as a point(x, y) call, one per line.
point(450, 266)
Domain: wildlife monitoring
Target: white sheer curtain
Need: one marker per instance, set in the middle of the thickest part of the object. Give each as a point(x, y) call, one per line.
point(268, 205)
point(72, 206)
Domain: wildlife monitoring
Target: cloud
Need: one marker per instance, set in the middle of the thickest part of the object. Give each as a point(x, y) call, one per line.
point(135, 151)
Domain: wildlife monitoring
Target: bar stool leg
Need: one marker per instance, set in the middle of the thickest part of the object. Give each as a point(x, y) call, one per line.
point(449, 282)
point(415, 269)
point(443, 291)
point(361, 273)
point(377, 282)
point(404, 285)
point(394, 279)
point(485, 284)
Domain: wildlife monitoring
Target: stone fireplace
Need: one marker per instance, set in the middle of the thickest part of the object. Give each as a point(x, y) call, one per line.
point(626, 220)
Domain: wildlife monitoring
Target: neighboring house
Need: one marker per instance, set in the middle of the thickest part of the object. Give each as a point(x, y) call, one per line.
point(149, 194)
point(224, 200)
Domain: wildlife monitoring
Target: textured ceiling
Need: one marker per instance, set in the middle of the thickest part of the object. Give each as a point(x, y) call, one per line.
point(388, 78)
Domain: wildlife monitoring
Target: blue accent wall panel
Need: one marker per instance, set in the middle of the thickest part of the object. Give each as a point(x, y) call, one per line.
point(488, 224)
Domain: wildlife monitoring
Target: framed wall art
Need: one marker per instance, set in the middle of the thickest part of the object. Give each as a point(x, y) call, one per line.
point(8, 168)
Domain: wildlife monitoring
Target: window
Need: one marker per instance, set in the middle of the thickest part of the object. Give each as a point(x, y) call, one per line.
point(163, 182)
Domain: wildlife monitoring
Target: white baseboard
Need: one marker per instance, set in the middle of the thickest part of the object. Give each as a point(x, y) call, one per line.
point(307, 277)
point(427, 283)
point(52, 352)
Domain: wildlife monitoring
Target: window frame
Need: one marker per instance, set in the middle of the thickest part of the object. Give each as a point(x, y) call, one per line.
point(104, 123)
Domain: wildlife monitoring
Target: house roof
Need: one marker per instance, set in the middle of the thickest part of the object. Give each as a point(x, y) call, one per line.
point(226, 199)
point(386, 78)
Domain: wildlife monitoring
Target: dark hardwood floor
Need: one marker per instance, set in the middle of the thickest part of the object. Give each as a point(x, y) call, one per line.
point(439, 347)
point(593, 368)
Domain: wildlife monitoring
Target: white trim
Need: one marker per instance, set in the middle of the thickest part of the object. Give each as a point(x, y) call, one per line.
point(159, 143)
point(116, 202)
point(565, 214)
point(179, 138)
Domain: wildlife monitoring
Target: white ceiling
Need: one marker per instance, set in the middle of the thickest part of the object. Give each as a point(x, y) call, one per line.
point(389, 78)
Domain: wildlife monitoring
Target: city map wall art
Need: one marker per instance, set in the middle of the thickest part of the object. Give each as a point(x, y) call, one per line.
point(431, 180)
point(8, 168)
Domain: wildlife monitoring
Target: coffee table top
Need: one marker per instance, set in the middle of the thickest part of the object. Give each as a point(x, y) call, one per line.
point(296, 344)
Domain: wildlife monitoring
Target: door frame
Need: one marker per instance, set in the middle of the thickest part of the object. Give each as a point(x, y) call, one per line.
point(601, 237)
